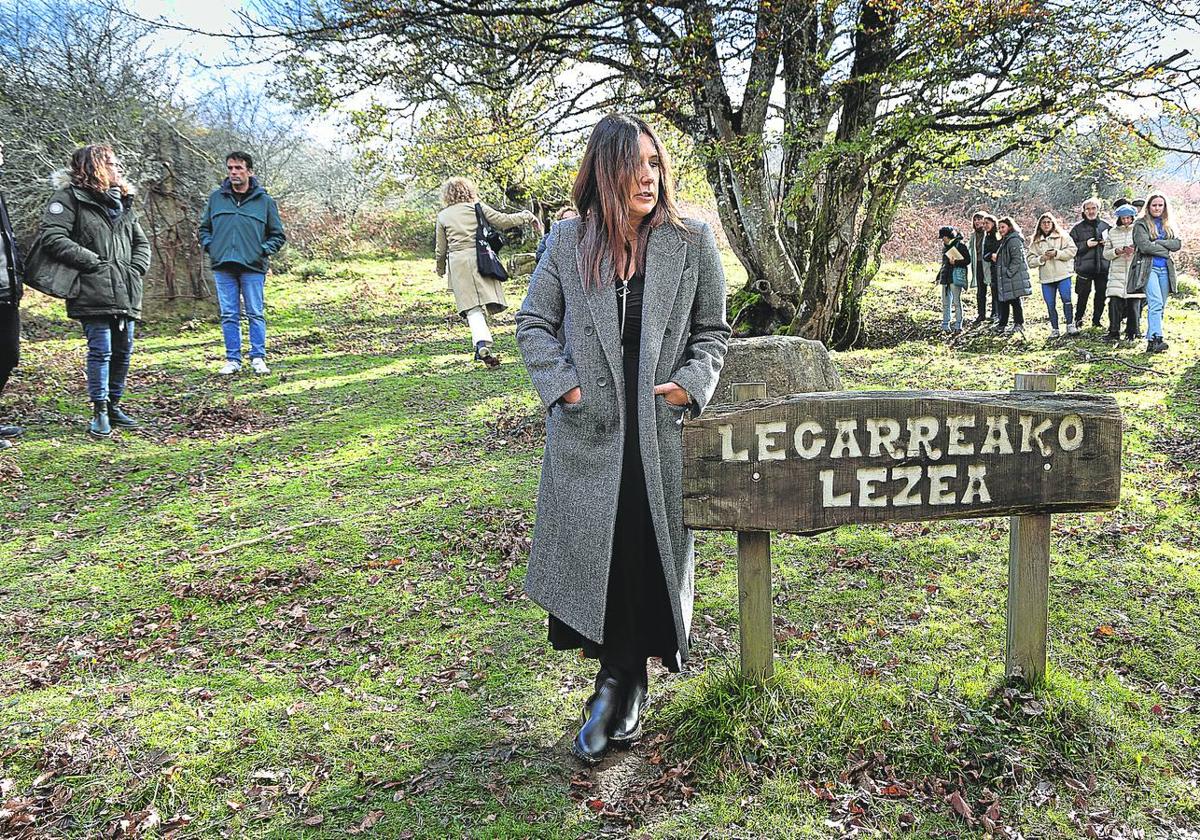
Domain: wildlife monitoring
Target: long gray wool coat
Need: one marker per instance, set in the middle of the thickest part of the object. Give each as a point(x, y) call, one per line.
point(570, 337)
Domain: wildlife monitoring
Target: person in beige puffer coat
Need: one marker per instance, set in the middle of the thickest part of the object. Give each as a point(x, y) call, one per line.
point(1052, 253)
point(1120, 251)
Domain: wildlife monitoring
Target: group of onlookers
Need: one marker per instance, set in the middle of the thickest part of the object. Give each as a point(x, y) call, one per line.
point(91, 251)
point(1127, 262)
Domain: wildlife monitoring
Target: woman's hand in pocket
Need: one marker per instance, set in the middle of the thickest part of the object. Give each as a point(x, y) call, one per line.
point(573, 396)
point(672, 393)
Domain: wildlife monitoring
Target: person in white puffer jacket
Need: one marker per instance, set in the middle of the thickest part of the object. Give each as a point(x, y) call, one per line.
point(1120, 252)
point(1052, 253)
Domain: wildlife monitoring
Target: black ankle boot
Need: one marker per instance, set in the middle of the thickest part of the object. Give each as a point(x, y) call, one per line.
point(484, 353)
point(117, 417)
point(99, 427)
point(598, 715)
point(627, 727)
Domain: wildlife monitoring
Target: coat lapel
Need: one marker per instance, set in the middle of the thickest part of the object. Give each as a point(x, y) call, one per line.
point(602, 301)
point(664, 267)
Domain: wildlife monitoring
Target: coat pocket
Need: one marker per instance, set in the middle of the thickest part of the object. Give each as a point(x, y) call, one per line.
point(95, 288)
point(1135, 279)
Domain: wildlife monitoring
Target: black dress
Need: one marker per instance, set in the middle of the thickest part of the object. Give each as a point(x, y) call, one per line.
point(638, 621)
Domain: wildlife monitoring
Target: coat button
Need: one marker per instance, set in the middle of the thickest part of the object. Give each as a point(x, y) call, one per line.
point(601, 382)
point(588, 330)
point(667, 331)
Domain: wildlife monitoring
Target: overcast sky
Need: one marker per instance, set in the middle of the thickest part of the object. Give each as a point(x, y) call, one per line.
point(211, 58)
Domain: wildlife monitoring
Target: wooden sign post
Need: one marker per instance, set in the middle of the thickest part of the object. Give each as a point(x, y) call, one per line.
point(1029, 576)
point(755, 626)
point(811, 462)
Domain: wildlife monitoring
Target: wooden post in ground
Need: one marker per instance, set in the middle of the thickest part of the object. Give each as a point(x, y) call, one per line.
point(1028, 576)
point(755, 626)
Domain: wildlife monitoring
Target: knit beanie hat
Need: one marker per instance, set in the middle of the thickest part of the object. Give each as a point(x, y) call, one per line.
point(946, 230)
point(1126, 210)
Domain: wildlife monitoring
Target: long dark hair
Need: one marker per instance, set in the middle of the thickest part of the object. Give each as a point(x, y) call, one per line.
point(601, 193)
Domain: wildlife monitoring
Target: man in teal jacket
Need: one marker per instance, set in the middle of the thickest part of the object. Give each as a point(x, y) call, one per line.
point(240, 230)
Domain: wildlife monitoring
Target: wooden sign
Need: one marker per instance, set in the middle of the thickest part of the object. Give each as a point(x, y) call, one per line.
point(810, 462)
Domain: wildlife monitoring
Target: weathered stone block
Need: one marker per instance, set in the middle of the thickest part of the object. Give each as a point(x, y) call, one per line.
point(788, 365)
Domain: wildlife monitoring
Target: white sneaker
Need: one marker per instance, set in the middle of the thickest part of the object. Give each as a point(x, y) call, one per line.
point(1054, 332)
point(259, 365)
point(230, 368)
point(1072, 329)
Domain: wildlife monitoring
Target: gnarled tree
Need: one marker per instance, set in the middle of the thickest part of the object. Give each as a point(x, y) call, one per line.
point(812, 117)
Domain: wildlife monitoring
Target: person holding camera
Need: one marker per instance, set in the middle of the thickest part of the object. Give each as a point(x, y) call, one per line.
point(475, 294)
point(1051, 252)
point(1091, 266)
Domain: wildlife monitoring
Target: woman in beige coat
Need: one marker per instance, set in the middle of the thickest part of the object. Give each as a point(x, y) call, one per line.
point(475, 296)
point(1119, 250)
point(1052, 253)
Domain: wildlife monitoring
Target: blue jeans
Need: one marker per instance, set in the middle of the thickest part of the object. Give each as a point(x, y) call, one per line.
point(1157, 286)
point(237, 287)
point(1059, 288)
point(952, 296)
point(110, 345)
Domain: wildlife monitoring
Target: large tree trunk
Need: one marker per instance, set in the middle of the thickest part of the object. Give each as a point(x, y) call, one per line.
point(768, 301)
point(805, 274)
point(811, 242)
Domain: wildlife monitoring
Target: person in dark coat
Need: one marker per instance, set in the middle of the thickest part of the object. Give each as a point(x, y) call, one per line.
point(623, 331)
point(991, 244)
point(1091, 266)
point(952, 277)
point(12, 271)
point(1012, 276)
point(90, 225)
point(564, 213)
point(241, 230)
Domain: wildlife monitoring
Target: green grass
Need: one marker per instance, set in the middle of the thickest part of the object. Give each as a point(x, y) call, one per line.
point(293, 603)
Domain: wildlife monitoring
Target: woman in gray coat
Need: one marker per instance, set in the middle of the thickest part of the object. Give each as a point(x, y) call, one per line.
point(1012, 276)
point(1153, 271)
point(624, 332)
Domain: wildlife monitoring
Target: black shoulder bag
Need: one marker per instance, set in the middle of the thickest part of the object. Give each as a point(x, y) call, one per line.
point(488, 241)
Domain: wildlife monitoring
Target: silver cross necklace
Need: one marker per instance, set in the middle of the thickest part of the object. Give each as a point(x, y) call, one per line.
point(623, 288)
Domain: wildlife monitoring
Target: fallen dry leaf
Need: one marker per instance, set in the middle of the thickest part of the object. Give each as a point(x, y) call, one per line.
point(368, 822)
point(960, 807)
